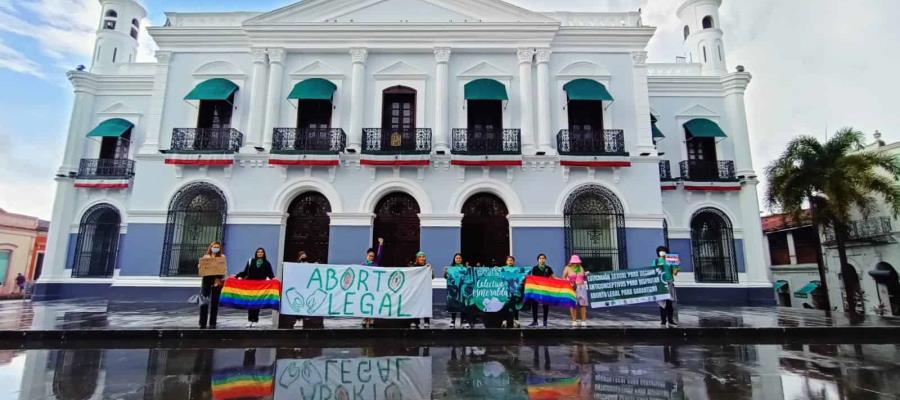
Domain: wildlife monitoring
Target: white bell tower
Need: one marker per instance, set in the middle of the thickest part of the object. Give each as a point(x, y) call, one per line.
point(117, 35)
point(703, 35)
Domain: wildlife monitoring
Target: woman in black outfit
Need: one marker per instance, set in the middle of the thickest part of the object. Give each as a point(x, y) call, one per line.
point(257, 269)
point(542, 270)
point(210, 289)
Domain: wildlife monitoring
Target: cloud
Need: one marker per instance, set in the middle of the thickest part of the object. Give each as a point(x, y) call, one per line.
point(26, 173)
point(14, 60)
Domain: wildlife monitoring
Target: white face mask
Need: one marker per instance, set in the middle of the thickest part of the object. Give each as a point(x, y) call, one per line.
point(215, 250)
point(662, 254)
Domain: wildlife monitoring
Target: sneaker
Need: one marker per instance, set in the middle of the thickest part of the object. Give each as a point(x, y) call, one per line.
point(517, 324)
point(545, 324)
point(467, 326)
point(533, 324)
point(584, 324)
point(503, 324)
point(249, 324)
point(453, 325)
point(427, 325)
point(673, 325)
point(574, 323)
point(662, 324)
point(212, 327)
point(413, 325)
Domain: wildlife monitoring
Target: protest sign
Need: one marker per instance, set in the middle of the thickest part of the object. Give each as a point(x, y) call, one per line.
point(673, 259)
point(324, 290)
point(627, 286)
point(354, 378)
point(212, 266)
point(488, 289)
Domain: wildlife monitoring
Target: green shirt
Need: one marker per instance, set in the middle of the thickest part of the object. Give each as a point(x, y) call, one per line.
point(666, 268)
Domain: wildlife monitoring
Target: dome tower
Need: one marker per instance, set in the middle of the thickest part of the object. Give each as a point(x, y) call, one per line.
point(117, 35)
point(703, 35)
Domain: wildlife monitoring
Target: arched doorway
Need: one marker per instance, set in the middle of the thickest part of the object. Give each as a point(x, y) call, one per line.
point(397, 221)
point(852, 293)
point(485, 230)
point(713, 242)
point(196, 218)
point(307, 228)
point(595, 228)
point(98, 242)
point(888, 284)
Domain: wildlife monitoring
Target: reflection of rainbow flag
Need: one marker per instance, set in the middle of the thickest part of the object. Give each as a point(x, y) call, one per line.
point(242, 383)
point(552, 388)
point(554, 292)
point(242, 293)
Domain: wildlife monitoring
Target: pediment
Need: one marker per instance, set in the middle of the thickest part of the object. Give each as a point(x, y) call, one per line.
point(583, 68)
point(485, 69)
point(218, 69)
point(400, 11)
point(697, 111)
point(400, 68)
point(317, 69)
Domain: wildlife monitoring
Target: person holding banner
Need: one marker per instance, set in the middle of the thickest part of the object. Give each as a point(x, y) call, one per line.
point(457, 262)
point(542, 270)
point(373, 259)
point(576, 275)
point(668, 272)
point(421, 261)
point(210, 289)
point(511, 309)
point(257, 268)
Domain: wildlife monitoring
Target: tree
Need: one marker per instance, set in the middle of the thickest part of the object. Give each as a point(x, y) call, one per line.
point(833, 179)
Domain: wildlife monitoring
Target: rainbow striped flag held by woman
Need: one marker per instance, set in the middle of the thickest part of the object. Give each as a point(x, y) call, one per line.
point(540, 388)
point(249, 295)
point(550, 291)
point(242, 384)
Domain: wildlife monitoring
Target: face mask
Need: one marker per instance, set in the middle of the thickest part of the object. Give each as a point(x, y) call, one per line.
point(215, 250)
point(662, 254)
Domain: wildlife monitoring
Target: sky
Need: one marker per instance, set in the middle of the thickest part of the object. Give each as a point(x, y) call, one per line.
point(818, 66)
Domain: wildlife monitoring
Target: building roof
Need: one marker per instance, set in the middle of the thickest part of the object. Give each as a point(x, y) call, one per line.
point(778, 222)
point(20, 221)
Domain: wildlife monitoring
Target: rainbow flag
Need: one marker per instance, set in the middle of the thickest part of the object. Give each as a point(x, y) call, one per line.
point(551, 291)
point(245, 294)
point(540, 388)
point(242, 383)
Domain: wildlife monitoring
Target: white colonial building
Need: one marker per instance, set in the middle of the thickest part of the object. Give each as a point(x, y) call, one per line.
point(441, 125)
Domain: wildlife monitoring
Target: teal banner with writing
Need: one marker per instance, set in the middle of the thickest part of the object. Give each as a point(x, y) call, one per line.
point(488, 289)
point(627, 286)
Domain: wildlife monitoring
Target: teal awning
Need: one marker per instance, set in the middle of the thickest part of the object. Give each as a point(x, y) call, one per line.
point(780, 284)
point(657, 134)
point(213, 89)
point(113, 128)
point(587, 89)
point(485, 89)
point(805, 291)
point(704, 128)
point(313, 89)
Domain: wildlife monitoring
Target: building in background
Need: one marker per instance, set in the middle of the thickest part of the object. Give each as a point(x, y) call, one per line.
point(22, 243)
point(439, 125)
point(791, 249)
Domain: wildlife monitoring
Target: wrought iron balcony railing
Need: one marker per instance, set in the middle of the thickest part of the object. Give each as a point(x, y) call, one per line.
point(381, 142)
point(707, 171)
point(665, 171)
point(308, 141)
point(105, 168)
point(206, 140)
point(591, 142)
point(486, 141)
point(861, 230)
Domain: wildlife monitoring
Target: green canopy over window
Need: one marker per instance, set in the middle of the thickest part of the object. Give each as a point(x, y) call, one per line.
point(587, 89)
point(213, 89)
point(704, 128)
point(804, 292)
point(780, 284)
point(113, 128)
point(313, 89)
point(657, 134)
point(485, 89)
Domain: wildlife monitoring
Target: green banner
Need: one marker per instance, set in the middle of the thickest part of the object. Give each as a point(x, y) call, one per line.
point(489, 289)
point(627, 286)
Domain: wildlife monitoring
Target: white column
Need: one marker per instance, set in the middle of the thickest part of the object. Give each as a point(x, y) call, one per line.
point(258, 94)
point(358, 56)
point(79, 123)
point(441, 93)
point(545, 134)
point(153, 129)
point(274, 98)
point(526, 100)
point(58, 236)
point(642, 105)
point(792, 247)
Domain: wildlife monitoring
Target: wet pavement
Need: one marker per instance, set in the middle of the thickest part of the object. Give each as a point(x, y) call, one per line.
point(580, 370)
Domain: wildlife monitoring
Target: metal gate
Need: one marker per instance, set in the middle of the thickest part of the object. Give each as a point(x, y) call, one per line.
point(397, 221)
point(595, 229)
point(713, 244)
point(485, 230)
point(98, 242)
point(196, 218)
point(307, 228)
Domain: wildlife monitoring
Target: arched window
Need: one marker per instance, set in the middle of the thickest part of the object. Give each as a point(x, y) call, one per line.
point(397, 221)
point(109, 22)
point(485, 230)
point(595, 228)
point(687, 32)
point(112, 14)
point(307, 228)
point(135, 23)
point(98, 242)
point(712, 238)
point(704, 54)
point(853, 295)
point(708, 22)
point(196, 218)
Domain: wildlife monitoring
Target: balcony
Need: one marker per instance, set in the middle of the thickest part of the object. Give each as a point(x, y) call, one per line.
point(206, 140)
point(708, 171)
point(411, 142)
point(308, 141)
point(876, 230)
point(486, 142)
point(665, 171)
point(608, 142)
point(105, 168)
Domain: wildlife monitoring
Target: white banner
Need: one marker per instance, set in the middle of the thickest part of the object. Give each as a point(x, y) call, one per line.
point(378, 378)
point(324, 290)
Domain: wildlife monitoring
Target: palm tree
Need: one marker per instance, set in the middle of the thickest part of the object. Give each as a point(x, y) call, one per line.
point(834, 179)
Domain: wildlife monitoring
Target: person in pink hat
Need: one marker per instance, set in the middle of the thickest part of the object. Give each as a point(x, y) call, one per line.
point(576, 275)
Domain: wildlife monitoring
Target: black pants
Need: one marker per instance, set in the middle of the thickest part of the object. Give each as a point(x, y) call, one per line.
point(209, 312)
point(534, 311)
point(253, 315)
point(667, 313)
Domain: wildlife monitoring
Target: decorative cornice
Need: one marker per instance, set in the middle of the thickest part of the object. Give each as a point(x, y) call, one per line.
point(442, 54)
point(163, 57)
point(258, 55)
point(83, 82)
point(639, 57)
point(358, 55)
point(276, 55)
point(440, 220)
point(526, 55)
point(543, 55)
point(736, 83)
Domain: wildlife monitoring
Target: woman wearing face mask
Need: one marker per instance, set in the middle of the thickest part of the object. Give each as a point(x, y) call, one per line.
point(210, 289)
point(457, 262)
point(421, 261)
point(668, 272)
point(257, 269)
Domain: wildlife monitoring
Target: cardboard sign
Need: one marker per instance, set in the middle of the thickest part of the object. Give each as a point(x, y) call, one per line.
point(673, 259)
point(213, 266)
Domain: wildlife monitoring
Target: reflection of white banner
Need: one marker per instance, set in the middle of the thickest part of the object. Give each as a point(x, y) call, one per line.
point(355, 378)
point(356, 291)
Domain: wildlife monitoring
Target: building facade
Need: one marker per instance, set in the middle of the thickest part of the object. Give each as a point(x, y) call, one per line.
point(22, 247)
point(792, 250)
point(441, 125)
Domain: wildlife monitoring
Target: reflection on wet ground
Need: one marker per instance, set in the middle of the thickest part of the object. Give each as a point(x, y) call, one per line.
point(495, 372)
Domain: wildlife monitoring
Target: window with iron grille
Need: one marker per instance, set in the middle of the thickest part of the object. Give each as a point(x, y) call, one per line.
point(196, 219)
point(806, 245)
point(307, 228)
point(712, 238)
point(97, 244)
point(779, 253)
point(595, 228)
